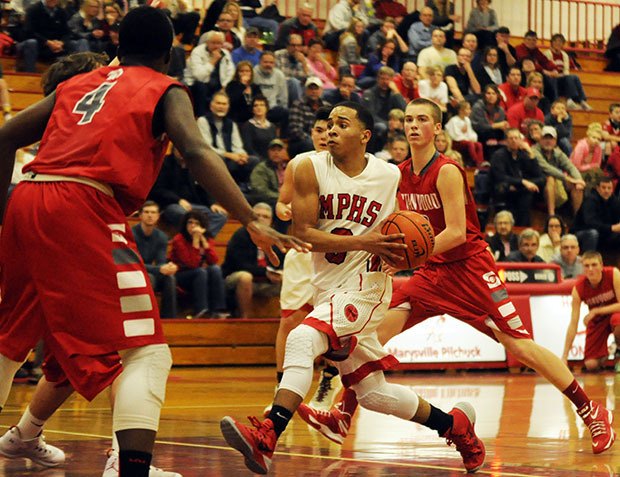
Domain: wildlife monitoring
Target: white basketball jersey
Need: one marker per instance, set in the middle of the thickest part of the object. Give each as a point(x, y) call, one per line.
point(351, 206)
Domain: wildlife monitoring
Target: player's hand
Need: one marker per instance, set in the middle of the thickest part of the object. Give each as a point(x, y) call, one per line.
point(387, 268)
point(274, 277)
point(386, 246)
point(185, 204)
point(589, 317)
point(529, 185)
point(218, 209)
point(198, 231)
point(284, 211)
point(266, 238)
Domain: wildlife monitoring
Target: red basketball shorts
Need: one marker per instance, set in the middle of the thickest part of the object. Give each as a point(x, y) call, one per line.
point(597, 332)
point(72, 275)
point(468, 290)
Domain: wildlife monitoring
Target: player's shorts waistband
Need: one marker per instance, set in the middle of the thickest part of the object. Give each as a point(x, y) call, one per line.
point(100, 186)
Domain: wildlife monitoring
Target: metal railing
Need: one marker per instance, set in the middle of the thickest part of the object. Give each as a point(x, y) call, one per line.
point(586, 24)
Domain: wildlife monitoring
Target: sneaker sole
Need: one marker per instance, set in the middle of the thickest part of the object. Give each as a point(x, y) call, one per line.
point(610, 416)
point(21, 455)
point(470, 412)
point(324, 430)
point(236, 440)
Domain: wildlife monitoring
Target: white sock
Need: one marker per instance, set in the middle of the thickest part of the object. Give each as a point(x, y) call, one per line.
point(115, 445)
point(29, 426)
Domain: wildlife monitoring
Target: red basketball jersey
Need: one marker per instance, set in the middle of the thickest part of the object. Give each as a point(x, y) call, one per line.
point(601, 295)
point(101, 128)
point(419, 193)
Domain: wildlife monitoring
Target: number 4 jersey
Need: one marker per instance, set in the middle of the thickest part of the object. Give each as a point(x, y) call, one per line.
point(351, 206)
point(113, 109)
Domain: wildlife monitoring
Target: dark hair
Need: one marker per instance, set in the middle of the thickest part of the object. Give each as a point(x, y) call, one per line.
point(486, 51)
point(603, 180)
point(268, 52)
point(260, 97)
point(315, 41)
point(149, 203)
point(503, 30)
point(145, 33)
point(239, 65)
point(322, 114)
point(613, 106)
point(558, 36)
point(385, 42)
point(530, 34)
point(364, 115)
point(69, 66)
point(494, 88)
point(397, 138)
point(515, 67)
point(347, 75)
point(562, 223)
point(200, 217)
point(436, 112)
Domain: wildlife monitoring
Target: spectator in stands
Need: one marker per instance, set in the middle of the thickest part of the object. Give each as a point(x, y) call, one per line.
point(555, 228)
point(516, 177)
point(444, 17)
point(249, 50)
point(612, 50)
point(184, 21)
point(611, 129)
point(210, 68)
point(465, 139)
point(507, 52)
point(569, 86)
point(568, 258)
point(254, 14)
point(48, 35)
point(489, 119)
point(470, 42)
point(600, 212)
point(434, 88)
point(443, 144)
point(234, 10)
point(563, 179)
point(504, 240)
point(293, 63)
point(420, 33)
point(222, 134)
point(301, 24)
point(535, 80)
point(224, 25)
point(534, 132)
point(488, 71)
point(384, 56)
point(193, 250)
point(588, 155)
point(521, 114)
point(258, 132)
point(267, 177)
point(152, 244)
point(302, 117)
point(483, 22)
point(460, 78)
point(344, 92)
point(512, 91)
point(396, 128)
point(112, 44)
point(212, 14)
point(561, 120)
point(529, 240)
point(390, 8)
point(241, 92)
point(387, 31)
point(341, 15)
point(407, 81)
point(397, 149)
point(85, 25)
point(178, 193)
point(529, 49)
point(272, 84)
point(380, 100)
point(349, 46)
point(319, 66)
point(246, 268)
point(436, 54)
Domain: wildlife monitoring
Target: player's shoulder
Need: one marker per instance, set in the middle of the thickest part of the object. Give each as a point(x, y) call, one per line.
point(382, 165)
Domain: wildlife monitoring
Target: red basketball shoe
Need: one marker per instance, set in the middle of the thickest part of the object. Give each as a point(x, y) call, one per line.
point(257, 445)
point(463, 436)
point(599, 420)
point(333, 424)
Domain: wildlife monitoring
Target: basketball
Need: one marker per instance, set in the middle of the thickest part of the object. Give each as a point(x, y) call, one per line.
point(419, 237)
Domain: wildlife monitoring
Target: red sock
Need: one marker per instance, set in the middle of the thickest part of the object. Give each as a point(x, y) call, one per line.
point(576, 394)
point(348, 402)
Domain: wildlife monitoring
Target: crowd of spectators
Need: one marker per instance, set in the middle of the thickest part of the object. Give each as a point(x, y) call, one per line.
point(257, 83)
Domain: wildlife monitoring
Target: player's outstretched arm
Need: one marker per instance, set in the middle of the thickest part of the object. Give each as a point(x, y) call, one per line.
point(571, 331)
point(211, 173)
point(306, 216)
point(24, 129)
point(451, 187)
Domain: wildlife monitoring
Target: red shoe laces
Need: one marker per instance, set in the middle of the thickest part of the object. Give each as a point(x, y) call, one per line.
point(261, 434)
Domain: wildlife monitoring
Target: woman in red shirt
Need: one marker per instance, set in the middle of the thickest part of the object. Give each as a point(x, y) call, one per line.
point(193, 250)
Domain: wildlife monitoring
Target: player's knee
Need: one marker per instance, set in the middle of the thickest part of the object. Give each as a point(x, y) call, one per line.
point(245, 279)
point(303, 345)
point(391, 399)
point(8, 368)
point(592, 364)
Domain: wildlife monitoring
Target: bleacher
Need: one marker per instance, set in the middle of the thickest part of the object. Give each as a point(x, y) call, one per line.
point(251, 341)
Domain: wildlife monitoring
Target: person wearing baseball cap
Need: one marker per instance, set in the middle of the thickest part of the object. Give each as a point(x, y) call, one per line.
point(248, 51)
point(563, 179)
point(506, 53)
point(302, 116)
point(520, 114)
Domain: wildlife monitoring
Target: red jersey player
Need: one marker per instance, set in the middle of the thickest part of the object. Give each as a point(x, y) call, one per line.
point(599, 288)
point(460, 278)
point(71, 273)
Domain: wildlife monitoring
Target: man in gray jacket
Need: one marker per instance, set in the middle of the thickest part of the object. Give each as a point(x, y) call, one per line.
point(273, 85)
point(563, 178)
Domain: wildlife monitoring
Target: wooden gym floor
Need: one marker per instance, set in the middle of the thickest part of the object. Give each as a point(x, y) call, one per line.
point(528, 427)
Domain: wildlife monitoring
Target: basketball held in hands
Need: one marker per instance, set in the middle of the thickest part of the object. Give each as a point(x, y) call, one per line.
point(419, 237)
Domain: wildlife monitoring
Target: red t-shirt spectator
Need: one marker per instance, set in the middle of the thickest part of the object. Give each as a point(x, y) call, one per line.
point(186, 256)
point(519, 117)
point(538, 57)
point(389, 8)
point(510, 96)
point(409, 93)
